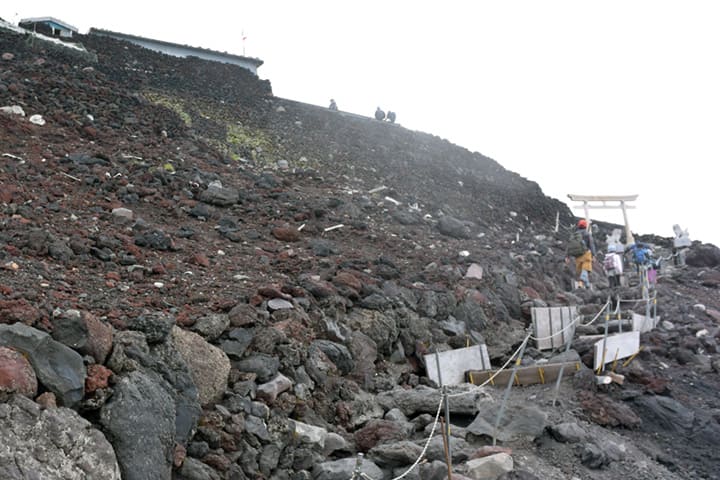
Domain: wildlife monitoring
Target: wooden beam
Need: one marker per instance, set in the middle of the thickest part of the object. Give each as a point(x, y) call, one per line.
point(602, 198)
point(602, 207)
point(543, 373)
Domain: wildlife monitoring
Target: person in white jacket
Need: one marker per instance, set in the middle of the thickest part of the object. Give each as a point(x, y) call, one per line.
point(613, 266)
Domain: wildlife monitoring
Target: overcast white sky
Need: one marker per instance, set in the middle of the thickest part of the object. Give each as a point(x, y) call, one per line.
point(595, 98)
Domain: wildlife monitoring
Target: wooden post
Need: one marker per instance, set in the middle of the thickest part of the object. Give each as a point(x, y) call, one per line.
point(628, 233)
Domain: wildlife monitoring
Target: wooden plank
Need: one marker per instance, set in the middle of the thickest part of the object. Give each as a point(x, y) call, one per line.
point(454, 363)
point(541, 320)
point(555, 325)
point(617, 346)
point(602, 198)
point(532, 375)
point(550, 326)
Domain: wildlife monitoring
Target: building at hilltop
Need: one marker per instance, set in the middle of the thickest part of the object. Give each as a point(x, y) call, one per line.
point(178, 50)
point(49, 26)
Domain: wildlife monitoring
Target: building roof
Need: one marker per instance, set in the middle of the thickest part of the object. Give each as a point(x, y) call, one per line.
point(99, 31)
point(50, 20)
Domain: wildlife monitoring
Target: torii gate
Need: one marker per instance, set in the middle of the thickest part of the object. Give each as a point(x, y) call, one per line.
point(622, 199)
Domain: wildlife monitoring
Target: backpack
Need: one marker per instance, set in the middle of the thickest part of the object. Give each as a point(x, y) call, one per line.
point(609, 263)
point(576, 246)
point(640, 256)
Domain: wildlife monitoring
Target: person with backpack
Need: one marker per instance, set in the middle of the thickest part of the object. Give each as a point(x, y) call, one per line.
point(582, 248)
point(379, 114)
point(613, 266)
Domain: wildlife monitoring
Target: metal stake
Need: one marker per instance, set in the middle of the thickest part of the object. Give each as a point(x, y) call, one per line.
point(507, 389)
point(562, 367)
point(445, 399)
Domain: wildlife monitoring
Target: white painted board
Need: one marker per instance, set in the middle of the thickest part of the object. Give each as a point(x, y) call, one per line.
point(621, 345)
point(552, 326)
point(643, 324)
point(454, 364)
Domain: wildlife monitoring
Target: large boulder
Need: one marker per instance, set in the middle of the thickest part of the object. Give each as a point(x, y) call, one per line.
point(221, 196)
point(84, 333)
point(139, 420)
point(452, 227)
point(57, 367)
point(705, 255)
point(53, 443)
point(208, 365)
point(423, 399)
point(131, 352)
point(343, 469)
point(518, 422)
point(381, 328)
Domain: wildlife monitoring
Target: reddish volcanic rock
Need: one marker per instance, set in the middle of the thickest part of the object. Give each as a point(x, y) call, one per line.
point(97, 377)
point(16, 373)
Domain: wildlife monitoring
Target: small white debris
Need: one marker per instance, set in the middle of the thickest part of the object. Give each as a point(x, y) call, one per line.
point(14, 110)
point(474, 271)
point(37, 120)
point(221, 253)
point(334, 227)
point(377, 189)
point(300, 228)
point(123, 213)
point(279, 304)
point(240, 277)
point(392, 200)
point(90, 117)
point(464, 253)
point(283, 164)
point(699, 307)
point(701, 333)
point(158, 284)
point(280, 109)
point(513, 214)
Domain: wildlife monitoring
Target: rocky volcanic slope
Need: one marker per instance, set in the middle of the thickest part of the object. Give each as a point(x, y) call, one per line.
point(175, 302)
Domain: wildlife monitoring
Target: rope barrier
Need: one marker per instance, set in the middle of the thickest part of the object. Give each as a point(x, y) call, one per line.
point(422, 454)
point(492, 378)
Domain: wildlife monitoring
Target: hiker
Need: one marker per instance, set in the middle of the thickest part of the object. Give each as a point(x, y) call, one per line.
point(613, 265)
point(333, 105)
point(379, 114)
point(391, 116)
point(641, 255)
point(582, 248)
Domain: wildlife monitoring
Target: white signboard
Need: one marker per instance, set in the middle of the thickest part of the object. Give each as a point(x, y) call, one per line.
point(617, 346)
point(643, 324)
point(454, 364)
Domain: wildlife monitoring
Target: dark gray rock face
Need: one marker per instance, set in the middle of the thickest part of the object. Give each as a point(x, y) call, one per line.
point(518, 422)
point(59, 368)
point(265, 366)
point(80, 452)
point(132, 353)
point(339, 354)
point(568, 432)
point(452, 227)
point(220, 196)
point(156, 326)
point(706, 255)
point(666, 412)
point(140, 422)
point(343, 469)
point(424, 399)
